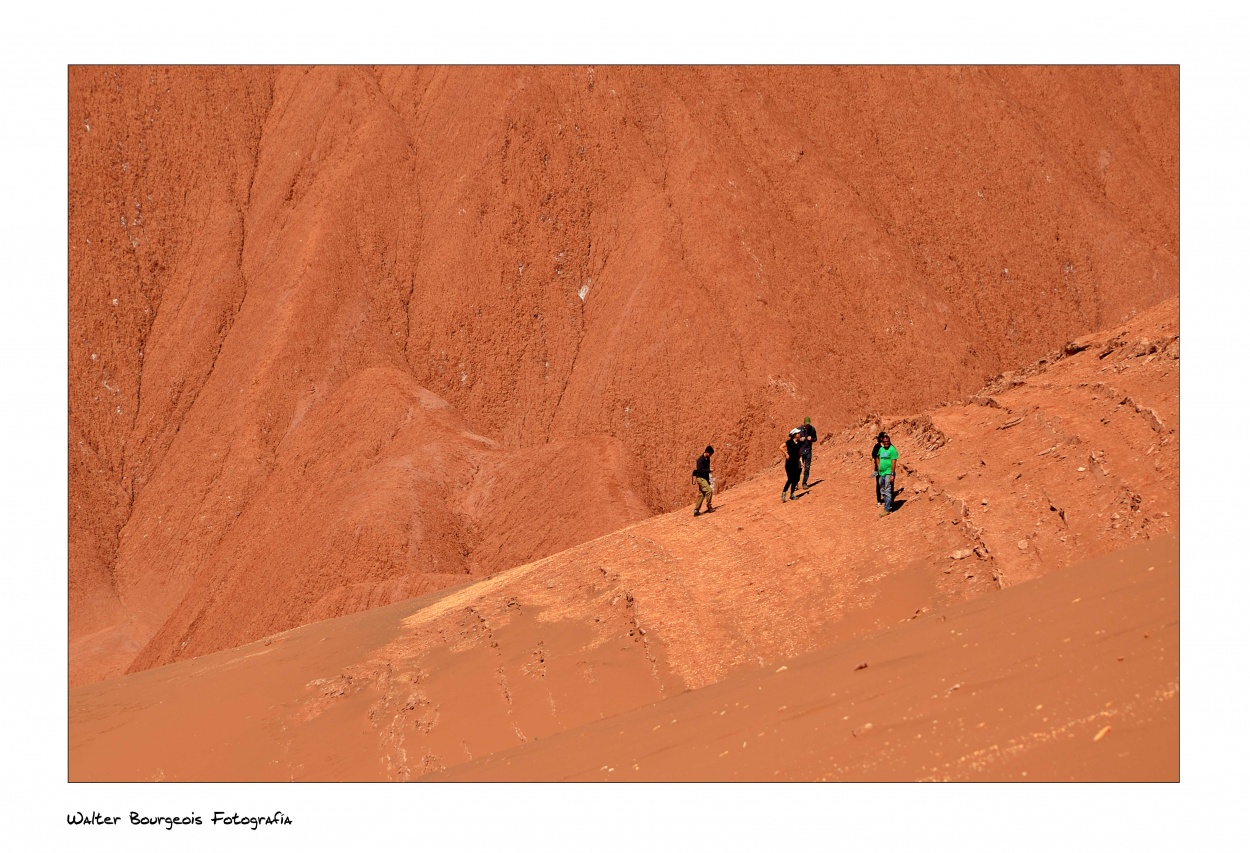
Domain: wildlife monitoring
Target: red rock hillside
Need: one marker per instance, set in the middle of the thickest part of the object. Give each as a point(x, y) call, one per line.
point(1015, 618)
point(344, 336)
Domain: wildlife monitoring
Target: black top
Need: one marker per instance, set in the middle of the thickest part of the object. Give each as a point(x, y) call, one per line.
point(703, 467)
point(792, 449)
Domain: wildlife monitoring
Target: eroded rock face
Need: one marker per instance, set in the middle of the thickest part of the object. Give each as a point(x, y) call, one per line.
point(343, 336)
point(1032, 560)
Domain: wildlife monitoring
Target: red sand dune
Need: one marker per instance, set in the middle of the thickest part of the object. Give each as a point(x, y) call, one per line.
point(344, 336)
point(1016, 618)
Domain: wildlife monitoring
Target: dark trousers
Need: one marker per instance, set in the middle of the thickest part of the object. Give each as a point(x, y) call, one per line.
point(807, 465)
point(793, 472)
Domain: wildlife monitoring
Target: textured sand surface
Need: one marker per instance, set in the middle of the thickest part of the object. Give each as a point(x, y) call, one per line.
point(1017, 617)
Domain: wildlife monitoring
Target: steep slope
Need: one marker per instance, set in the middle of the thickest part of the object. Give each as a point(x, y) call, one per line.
point(1071, 678)
point(672, 604)
point(597, 269)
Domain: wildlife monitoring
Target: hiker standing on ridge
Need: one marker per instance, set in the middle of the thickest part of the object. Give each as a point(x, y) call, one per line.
point(790, 450)
point(701, 476)
point(807, 433)
point(886, 457)
point(876, 486)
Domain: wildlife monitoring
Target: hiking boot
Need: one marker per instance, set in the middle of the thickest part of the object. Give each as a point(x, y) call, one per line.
point(884, 513)
point(696, 513)
point(783, 497)
point(709, 509)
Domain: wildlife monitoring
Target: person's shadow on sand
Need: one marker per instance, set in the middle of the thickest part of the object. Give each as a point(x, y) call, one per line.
point(814, 483)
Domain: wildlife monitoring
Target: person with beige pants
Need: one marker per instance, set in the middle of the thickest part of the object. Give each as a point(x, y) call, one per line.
point(701, 476)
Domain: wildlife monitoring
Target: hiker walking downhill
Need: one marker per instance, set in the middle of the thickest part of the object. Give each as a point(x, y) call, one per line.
point(887, 456)
point(701, 476)
point(807, 433)
point(790, 450)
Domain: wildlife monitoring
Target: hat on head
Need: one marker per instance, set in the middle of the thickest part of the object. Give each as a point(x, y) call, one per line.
point(881, 435)
point(794, 431)
point(807, 420)
point(708, 449)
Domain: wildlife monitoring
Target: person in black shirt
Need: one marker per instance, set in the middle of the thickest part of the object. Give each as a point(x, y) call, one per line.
point(701, 476)
point(807, 433)
point(791, 449)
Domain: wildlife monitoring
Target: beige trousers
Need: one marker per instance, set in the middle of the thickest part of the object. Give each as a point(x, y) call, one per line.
point(705, 492)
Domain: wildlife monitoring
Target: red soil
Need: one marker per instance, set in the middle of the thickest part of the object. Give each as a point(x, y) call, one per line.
point(344, 336)
point(1016, 618)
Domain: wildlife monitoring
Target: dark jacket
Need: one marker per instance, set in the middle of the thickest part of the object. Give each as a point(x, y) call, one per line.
point(807, 432)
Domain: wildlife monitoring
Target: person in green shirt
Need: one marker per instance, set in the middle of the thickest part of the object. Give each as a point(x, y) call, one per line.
point(883, 469)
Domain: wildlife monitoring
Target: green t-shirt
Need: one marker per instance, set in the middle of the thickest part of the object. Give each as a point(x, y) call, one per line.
point(885, 460)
